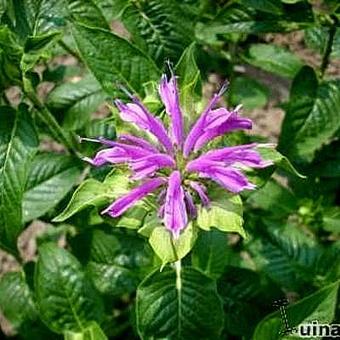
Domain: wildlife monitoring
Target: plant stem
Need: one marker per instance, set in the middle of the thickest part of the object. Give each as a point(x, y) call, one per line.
point(69, 50)
point(178, 267)
point(47, 118)
point(328, 49)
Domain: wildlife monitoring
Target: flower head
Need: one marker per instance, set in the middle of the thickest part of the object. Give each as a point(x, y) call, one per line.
point(169, 166)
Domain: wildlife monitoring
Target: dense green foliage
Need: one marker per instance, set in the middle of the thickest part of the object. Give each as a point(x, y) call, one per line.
point(118, 278)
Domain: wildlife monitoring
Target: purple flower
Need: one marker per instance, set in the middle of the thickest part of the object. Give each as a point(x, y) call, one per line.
point(168, 165)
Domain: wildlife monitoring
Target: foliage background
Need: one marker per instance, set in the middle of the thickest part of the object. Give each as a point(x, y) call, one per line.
point(60, 67)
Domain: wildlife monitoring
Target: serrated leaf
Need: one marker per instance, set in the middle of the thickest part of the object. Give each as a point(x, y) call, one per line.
point(157, 28)
point(274, 59)
point(92, 332)
point(224, 213)
point(285, 254)
point(18, 144)
point(51, 177)
point(178, 308)
point(169, 249)
point(92, 193)
point(65, 296)
point(249, 92)
point(319, 124)
point(16, 301)
point(210, 253)
point(318, 306)
point(117, 263)
point(76, 101)
point(113, 59)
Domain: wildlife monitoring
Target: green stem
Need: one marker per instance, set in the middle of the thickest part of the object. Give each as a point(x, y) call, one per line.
point(178, 268)
point(69, 50)
point(328, 49)
point(48, 119)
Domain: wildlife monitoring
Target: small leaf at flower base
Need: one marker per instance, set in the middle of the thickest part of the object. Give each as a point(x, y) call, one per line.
point(92, 332)
point(132, 218)
point(150, 222)
point(210, 253)
point(66, 297)
point(320, 306)
point(224, 213)
point(182, 307)
point(92, 193)
point(169, 249)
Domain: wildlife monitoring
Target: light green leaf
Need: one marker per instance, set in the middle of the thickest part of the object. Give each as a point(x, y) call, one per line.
point(274, 59)
point(156, 27)
point(224, 213)
point(92, 332)
point(319, 306)
point(76, 101)
point(210, 253)
point(18, 144)
point(65, 296)
point(169, 249)
point(182, 307)
point(248, 92)
point(51, 177)
point(92, 193)
point(189, 79)
point(113, 59)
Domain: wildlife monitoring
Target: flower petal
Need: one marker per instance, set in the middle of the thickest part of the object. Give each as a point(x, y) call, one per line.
point(190, 205)
point(201, 191)
point(137, 141)
point(137, 113)
point(175, 213)
point(123, 203)
point(169, 94)
point(147, 166)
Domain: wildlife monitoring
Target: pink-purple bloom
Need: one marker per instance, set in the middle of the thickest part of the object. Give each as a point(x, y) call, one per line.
point(170, 165)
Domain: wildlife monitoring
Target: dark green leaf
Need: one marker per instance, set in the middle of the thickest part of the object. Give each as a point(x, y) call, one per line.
point(274, 59)
point(210, 253)
point(319, 306)
point(77, 101)
point(157, 27)
point(18, 144)
point(270, 6)
point(65, 296)
point(178, 308)
point(113, 59)
point(51, 177)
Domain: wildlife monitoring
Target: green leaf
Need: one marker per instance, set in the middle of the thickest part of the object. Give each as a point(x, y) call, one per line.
point(18, 144)
point(273, 59)
point(315, 125)
point(319, 306)
point(92, 193)
point(224, 213)
point(92, 332)
point(285, 253)
point(189, 79)
point(117, 262)
point(16, 301)
point(113, 59)
point(76, 101)
point(157, 28)
point(51, 177)
point(248, 92)
point(210, 253)
point(169, 249)
point(87, 13)
point(65, 296)
point(270, 6)
point(182, 307)
point(302, 98)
